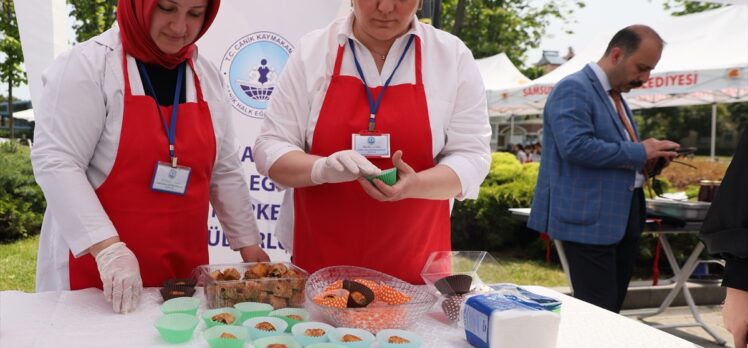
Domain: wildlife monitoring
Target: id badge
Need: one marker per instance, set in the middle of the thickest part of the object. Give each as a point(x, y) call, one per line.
point(170, 179)
point(372, 145)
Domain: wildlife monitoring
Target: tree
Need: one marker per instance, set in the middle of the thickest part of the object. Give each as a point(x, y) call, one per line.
point(10, 47)
point(92, 17)
point(489, 27)
point(684, 7)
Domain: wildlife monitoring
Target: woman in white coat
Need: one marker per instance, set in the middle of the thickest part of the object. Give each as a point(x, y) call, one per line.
point(371, 91)
point(133, 140)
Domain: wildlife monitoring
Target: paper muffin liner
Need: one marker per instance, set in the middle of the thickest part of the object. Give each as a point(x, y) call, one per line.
point(364, 297)
point(174, 291)
point(456, 284)
point(191, 282)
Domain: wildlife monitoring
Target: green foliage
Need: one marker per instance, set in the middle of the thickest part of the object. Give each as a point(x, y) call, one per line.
point(92, 17)
point(21, 200)
point(489, 27)
point(691, 125)
point(684, 7)
point(18, 265)
point(10, 46)
point(485, 223)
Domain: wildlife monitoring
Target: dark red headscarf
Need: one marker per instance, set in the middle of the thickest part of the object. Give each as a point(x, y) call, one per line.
point(134, 19)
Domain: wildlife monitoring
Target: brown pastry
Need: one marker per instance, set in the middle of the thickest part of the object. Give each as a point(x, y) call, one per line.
point(259, 270)
point(350, 338)
point(278, 302)
point(278, 270)
point(265, 326)
point(295, 279)
point(297, 299)
point(397, 339)
point(231, 274)
point(314, 332)
point(358, 297)
point(227, 336)
point(225, 318)
point(277, 345)
point(282, 288)
point(216, 275)
point(295, 317)
point(176, 293)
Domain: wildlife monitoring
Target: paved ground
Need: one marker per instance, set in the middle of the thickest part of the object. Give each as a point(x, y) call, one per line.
point(710, 314)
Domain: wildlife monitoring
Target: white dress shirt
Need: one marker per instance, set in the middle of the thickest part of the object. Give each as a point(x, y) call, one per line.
point(454, 90)
point(603, 77)
point(77, 133)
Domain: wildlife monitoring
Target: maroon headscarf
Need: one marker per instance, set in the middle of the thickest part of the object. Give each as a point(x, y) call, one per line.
point(134, 19)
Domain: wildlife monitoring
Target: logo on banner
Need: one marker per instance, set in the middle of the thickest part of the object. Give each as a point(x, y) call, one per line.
point(251, 67)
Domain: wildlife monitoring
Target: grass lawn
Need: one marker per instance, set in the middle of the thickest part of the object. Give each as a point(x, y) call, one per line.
point(18, 265)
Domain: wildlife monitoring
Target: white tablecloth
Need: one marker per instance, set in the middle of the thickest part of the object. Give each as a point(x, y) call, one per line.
point(84, 319)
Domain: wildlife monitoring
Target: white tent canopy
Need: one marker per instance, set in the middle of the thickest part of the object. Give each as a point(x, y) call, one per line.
point(498, 72)
point(705, 61)
point(27, 115)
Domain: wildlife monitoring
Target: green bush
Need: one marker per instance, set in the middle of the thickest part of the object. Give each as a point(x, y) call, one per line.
point(485, 223)
point(21, 200)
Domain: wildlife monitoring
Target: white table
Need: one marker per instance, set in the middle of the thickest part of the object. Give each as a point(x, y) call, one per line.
point(83, 319)
point(680, 275)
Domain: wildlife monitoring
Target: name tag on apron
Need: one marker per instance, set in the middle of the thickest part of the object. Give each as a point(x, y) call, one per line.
point(373, 145)
point(170, 179)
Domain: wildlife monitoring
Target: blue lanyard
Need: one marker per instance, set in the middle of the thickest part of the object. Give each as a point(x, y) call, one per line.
point(374, 106)
point(170, 131)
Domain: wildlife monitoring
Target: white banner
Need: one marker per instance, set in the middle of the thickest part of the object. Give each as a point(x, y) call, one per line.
point(250, 42)
point(44, 30)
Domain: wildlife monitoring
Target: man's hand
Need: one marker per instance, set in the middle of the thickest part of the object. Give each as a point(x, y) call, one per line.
point(735, 316)
point(407, 181)
point(120, 275)
point(342, 166)
point(660, 148)
point(254, 253)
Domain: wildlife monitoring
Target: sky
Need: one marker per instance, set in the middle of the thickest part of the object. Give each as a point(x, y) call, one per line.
point(598, 15)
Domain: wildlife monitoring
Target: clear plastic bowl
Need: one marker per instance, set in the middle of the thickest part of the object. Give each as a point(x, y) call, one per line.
point(371, 319)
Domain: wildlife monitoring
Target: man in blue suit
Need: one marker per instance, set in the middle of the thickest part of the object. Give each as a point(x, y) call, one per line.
point(589, 191)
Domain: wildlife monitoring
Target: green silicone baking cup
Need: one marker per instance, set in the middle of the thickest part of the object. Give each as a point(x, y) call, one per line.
point(388, 176)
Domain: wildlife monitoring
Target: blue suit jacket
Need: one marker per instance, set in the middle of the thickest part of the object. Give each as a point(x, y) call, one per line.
point(587, 174)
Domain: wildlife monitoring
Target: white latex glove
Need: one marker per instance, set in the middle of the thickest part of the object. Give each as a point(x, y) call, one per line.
point(120, 274)
point(342, 166)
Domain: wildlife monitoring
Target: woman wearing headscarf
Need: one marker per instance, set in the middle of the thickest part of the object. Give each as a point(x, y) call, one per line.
point(375, 90)
point(133, 139)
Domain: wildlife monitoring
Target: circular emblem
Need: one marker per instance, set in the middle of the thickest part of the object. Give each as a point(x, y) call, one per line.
point(370, 140)
point(172, 173)
point(251, 67)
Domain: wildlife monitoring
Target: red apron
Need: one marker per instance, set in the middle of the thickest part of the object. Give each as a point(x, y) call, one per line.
point(339, 224)
point(166, 232)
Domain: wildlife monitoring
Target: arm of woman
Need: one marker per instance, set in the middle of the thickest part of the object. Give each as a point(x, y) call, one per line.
point(70, 119)
point(467, 150)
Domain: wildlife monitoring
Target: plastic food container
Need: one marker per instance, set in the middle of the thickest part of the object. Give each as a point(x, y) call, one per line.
point(684, 210)
point(289, 341)
point(176, 328)
point(371, 319)
point(213, 336)
point(186, 305)
point(278, 327)
point(367, 339)
point(301, 334)
point(278, 284)
point(384, 336)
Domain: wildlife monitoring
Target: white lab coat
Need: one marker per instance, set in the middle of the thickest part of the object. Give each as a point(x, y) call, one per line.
point(455, 95)
point(78, 122)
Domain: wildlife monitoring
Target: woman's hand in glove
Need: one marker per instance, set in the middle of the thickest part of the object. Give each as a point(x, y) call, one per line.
point(342, 166)
point(120, 274)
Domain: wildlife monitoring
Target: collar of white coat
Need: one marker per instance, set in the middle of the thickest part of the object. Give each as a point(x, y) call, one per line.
point(345, 31)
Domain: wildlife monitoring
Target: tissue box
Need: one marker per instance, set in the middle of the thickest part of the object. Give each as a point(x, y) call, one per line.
point(495, 321)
